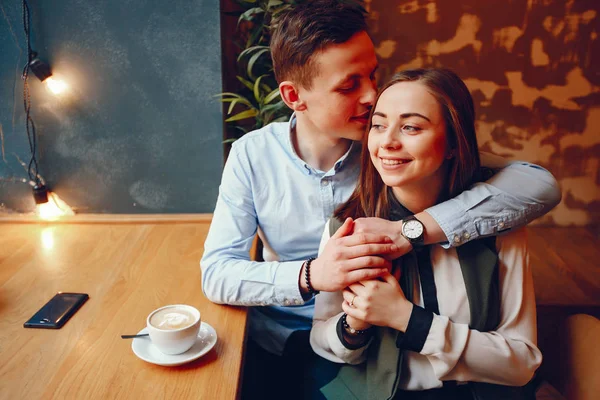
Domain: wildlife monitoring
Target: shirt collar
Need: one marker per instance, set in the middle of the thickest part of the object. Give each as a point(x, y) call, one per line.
point(351, 154)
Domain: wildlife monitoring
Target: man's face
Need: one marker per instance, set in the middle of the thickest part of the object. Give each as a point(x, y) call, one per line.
point(343, 90)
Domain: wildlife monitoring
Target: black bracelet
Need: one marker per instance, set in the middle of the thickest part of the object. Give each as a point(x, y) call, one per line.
point(311, 290)
point(351, 330)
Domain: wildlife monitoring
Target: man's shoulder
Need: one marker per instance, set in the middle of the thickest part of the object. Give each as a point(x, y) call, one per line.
point(268, 135)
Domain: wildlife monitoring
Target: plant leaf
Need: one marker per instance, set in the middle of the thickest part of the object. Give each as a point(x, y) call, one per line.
point(283, 118)
point(280, 105)
point(243, 115)
point(250, 50)
point(231, 105)
point(246, 82)
point(227, 94)
point(234, 98)
point(255, 37)
point(271, 96)
point(266, 88)
point(253, 59)
point(241, 128)
point(274, 3)
point(249, 14)
point(256, 89)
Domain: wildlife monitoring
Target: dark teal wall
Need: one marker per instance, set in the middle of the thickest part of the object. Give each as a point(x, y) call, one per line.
point(140, 130)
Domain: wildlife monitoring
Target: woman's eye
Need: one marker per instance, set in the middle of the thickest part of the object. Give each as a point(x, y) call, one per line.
point(410, 128)
point(377, 127)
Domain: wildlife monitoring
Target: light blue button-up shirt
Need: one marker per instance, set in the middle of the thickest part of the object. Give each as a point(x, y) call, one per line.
point(267, 187)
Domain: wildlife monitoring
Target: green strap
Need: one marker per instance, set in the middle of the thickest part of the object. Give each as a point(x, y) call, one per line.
point(379, 376)
point(334, 225)
point(478, 261)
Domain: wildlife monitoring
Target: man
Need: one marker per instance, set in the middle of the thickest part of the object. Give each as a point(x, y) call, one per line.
point(285, 180)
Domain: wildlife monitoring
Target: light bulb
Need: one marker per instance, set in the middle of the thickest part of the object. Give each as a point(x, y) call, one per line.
point(44, 73)
point(55, 86)
point(53, 209)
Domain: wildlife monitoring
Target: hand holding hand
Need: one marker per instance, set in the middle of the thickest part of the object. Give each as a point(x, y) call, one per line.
point(378, 302)
point(350, 257)
point(381, 226)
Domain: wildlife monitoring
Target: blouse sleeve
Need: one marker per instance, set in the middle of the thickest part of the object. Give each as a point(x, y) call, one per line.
point(506, 356)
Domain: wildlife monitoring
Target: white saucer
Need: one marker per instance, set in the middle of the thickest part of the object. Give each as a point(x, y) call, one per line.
point(144, 349)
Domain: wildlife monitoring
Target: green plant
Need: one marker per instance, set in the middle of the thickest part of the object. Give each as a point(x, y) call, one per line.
point(258, 103)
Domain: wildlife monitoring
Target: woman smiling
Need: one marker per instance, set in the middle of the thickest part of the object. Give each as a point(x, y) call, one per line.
point(444, 323)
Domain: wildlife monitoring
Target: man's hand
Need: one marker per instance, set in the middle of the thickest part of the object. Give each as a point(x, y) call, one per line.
point(350, 257)
point(378, 302)
point(391, 229)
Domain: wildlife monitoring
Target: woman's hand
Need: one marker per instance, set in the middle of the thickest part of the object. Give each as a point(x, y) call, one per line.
point(377, 302)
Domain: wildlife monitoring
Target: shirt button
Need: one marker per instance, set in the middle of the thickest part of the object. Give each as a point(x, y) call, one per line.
point(466, 235)
point(456, 239)
point(324, 182)
point(286, 302)
point(297, 302)
point(500, 224)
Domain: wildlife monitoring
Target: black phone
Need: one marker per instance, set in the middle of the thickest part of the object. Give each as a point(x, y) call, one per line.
point(57, 311)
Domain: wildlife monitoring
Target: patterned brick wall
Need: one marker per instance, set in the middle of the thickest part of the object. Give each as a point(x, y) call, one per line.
point(533, 69)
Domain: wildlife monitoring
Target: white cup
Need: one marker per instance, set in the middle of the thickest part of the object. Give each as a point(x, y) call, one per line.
point(174, 329)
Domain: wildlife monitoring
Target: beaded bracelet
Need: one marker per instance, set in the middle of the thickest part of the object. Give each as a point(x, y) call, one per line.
point(351, 329)
point(311, 290)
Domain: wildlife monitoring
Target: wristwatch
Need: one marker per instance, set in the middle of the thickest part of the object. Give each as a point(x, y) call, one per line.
point(413, 230)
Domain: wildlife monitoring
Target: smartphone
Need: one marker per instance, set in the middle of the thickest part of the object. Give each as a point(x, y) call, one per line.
point(57, 311)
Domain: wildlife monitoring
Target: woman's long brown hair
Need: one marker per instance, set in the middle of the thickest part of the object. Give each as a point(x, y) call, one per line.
point(370, 198)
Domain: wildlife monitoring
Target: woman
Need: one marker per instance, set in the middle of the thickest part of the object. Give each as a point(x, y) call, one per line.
point(442, 319)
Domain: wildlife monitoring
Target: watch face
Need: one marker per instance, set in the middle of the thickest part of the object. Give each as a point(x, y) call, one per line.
point(412, 229)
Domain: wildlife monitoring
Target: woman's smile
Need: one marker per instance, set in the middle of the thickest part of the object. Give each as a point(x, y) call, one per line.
point(393, 164)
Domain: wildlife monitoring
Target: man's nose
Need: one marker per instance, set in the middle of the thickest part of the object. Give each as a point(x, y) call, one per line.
point(369, 93)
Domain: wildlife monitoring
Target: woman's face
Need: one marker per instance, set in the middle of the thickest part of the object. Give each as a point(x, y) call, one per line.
point(407, 140)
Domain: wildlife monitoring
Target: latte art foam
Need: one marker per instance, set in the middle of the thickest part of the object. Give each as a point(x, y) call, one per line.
point(172, 318)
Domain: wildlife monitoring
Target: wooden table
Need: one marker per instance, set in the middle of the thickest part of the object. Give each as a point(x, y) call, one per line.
point(128, 270)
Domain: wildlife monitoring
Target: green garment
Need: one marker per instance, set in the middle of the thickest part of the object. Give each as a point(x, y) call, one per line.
point(378, 377)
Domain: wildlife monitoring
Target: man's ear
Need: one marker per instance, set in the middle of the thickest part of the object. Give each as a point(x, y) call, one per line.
point(290, 96)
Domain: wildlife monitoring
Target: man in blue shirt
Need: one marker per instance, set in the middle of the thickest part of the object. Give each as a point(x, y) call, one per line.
point(285, 180)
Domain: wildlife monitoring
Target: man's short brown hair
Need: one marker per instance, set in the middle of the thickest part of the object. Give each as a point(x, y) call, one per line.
point(307, 28)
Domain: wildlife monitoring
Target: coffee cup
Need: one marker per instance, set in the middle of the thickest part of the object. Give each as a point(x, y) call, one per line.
point(174, 328)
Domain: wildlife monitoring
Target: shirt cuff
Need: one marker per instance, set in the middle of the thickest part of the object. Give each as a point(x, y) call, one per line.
point(340, 332)
point(453, 218)
point(417, 330)
point(287, 291)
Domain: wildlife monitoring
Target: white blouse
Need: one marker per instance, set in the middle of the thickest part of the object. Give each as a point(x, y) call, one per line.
point(452, 351)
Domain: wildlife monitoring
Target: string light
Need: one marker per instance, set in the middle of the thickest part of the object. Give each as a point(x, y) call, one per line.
point(44, 74)
point(48, 205)
point(53, 209)
point(56, 86)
